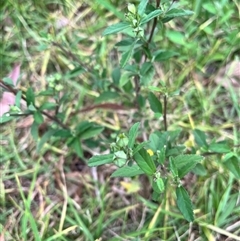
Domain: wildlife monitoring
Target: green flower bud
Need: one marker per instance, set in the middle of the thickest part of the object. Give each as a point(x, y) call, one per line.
point(122, 140)
point(131, 8)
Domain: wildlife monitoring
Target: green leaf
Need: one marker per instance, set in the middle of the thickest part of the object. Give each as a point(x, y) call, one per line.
point(185, 163)
point(127, 171)
point(47, 135)
point(200, 138)
point(32, 108)
point(145, 162)
point(63, 133)
point(115, 28)
point(48, 106)
point(38, 118)
point(176, 12)
point(173, 167)
point(147, 72)
point(142, 6)
point(155, 104)
point(232, 163)
point(100, 160)
point(106, 96)
point(140, 146)
point(160, 184)
point(126, 56)
point(184, 204)
point(34, 130)
point(219, 147)
point(162, 55)
point(176, 37)
point(18, 99)
point(49, 92)
point(116, 75)
point(8, 81)
point(5, 118)
point(83, 126)
point(157, 140)
point(30, 96)
point(125, 78)
point(133, 132)
point(173, 135)
point(200, 170)
point(91, 132)
point(150, 16)
point(77, 146)
point(124, 43)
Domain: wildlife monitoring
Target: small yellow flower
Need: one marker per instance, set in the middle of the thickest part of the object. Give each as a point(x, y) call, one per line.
point(150, 152)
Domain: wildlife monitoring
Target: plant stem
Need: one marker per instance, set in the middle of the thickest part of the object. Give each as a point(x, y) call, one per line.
point(53, 118)
point(165, 112)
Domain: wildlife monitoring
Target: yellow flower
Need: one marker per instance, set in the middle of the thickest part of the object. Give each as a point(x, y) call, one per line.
point(150, 152)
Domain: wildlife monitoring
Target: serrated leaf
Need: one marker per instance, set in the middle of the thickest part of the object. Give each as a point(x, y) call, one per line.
point(150, 16)
point(200, 170)
point(141, 160)
point(100, 160)
point(173, 167)
point(127, 171)
point(200, 138)
point(133, 132)
point(145, 162)
point(157, 140)
point(142, 6)
point(185, 163)
point(155, 104)
point(115, 28)
point(184, 204)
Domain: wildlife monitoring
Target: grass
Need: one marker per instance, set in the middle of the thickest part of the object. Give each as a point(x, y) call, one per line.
point(50, 194)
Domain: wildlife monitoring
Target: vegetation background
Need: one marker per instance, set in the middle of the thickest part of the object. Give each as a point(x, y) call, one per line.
point(47, 192)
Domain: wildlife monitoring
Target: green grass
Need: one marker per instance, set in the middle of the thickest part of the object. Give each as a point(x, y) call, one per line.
point(50, 194)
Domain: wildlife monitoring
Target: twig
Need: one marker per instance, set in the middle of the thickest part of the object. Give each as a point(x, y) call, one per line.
point(14, 91)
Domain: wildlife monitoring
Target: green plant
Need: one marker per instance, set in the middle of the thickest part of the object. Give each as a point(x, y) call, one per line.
point(161, 157)
point(72, 85)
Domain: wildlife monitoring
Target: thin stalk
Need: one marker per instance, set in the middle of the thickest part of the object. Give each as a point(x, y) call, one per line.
point(53, 118)
point(165, 112)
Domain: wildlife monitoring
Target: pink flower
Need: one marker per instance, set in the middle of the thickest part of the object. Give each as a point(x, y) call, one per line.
point(8, 98)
